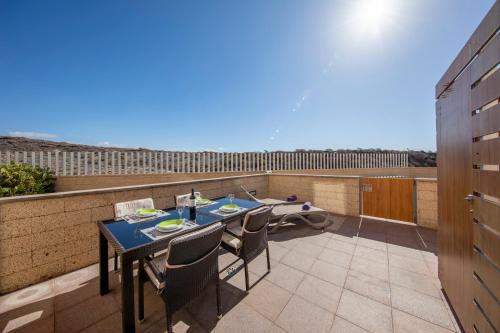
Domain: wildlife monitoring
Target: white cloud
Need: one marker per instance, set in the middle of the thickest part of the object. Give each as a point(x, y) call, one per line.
point(33, 135)
point(111, 144)
point(277, 131)
point(271, 138)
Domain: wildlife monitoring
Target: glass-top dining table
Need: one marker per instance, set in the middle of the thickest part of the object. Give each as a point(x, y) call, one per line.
point(135, 241)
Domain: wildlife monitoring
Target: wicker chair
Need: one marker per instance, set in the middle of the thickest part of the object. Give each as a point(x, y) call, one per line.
point(122, 209)
point(183, 197)
point(184, 271)
point(249, 240)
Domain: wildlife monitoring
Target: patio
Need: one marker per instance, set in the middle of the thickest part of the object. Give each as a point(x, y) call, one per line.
point(360, 275)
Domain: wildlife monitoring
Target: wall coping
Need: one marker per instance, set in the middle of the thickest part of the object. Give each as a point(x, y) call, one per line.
point(318, 176)
point(116, 189)
point(426, 179)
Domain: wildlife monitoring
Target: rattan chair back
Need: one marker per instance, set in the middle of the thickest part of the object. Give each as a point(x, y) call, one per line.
point(254, 232)
point(130, 207)
point(192, 264)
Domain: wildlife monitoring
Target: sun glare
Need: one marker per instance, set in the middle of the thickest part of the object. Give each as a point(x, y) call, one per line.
point(372, 16)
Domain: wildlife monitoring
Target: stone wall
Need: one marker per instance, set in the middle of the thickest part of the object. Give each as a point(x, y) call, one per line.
point(43, 236)
point(335, 194)
point(427, 203)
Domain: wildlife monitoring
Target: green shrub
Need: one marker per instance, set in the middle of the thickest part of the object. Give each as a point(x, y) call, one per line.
point(21, 179)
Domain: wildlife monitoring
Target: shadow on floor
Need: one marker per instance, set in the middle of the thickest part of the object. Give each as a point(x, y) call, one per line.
point(71, 303)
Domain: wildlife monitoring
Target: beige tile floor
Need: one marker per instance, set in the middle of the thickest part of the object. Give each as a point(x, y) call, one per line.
point(361, 275)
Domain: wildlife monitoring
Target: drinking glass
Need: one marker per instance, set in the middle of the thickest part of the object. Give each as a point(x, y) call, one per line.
point(231, 197)
point(180, 208)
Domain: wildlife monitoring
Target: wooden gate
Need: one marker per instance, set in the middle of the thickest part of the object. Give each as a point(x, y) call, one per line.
point(390, 198)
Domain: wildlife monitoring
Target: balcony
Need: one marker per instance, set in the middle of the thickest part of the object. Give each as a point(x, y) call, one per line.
point(360, 274)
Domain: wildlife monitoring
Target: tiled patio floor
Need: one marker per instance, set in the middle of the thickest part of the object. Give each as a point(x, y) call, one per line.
point(361, 275)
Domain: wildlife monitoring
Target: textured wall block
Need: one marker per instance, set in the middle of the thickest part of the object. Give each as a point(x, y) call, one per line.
point(81, 202)
point(15, 246)
point(81, 260)
point(48, 255)
point(102, 213)
point(24, 209)
point(78, 217)
point(81, 231)
point(47, 238)
point(427, 204)
point(48, 222)
point(14, 264)
point(15, 228)
point(133, 195)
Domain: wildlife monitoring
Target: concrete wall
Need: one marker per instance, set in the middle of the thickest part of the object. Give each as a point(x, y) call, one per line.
point(427, 203)
point(43, 236)
point(335, 194)
point(75, 183)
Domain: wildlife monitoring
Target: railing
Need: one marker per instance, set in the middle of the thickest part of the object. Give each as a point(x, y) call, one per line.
point(148, 162)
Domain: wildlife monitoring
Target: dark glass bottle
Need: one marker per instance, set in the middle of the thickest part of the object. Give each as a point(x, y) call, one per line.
point(192, 206)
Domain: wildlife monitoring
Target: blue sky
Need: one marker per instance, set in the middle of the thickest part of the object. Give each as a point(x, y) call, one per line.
point(229, 75)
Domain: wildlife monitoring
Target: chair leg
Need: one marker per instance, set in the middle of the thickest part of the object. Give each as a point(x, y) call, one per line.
point(169, 321)
point(116, 262)
point(217, 291)
point(247, 283)
point(141, 290)
point(268, 259)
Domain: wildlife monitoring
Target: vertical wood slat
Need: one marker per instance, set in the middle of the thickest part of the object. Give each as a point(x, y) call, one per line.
point(56, 157)
point(63, 163)
point(99, 163)
point(78, 163)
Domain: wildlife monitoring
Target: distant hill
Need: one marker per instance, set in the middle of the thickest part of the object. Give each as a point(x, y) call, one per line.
point(416, 158)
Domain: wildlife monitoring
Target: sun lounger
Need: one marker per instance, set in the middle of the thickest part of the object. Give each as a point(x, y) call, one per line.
point(292, 212)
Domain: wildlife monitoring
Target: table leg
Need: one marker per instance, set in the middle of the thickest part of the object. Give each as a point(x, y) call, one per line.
point(140, 293)
point(103, 265)
point(128, 316)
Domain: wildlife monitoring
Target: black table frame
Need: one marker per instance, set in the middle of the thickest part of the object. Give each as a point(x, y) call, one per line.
point(127, 258)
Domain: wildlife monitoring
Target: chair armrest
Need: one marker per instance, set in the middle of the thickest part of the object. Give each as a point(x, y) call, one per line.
point(235, 231)
point(154, 268)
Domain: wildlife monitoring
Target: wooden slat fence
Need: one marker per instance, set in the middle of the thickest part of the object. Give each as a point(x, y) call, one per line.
point(122, 163)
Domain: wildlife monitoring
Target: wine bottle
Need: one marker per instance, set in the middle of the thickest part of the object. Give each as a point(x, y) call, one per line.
point(192, 206)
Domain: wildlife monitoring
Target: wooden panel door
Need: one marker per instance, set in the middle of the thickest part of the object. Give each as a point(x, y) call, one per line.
point(390, 198)
point(468, 124)
point(485, 195)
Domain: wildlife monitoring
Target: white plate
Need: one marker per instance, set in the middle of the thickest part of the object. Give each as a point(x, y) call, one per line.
point(229, 210)
point(171, 228)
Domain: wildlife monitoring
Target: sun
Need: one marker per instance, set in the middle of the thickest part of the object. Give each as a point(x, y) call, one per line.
point(370, 17)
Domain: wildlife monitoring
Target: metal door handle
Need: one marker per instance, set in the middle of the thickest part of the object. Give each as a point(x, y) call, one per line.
point(469, 198)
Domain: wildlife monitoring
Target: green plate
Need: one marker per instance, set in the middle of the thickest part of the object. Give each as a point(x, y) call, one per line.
point(230, 206)
point(146, 211)
point(203, 200)
point(168, 223)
